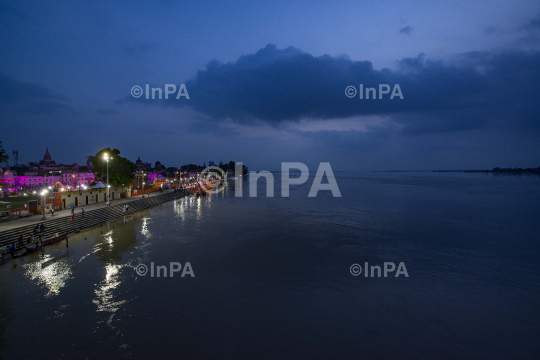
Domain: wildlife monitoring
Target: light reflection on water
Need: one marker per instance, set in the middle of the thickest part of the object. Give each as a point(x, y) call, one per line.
point(106, 299)
point(51, 273)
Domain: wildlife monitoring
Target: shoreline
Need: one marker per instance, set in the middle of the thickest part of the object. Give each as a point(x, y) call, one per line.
point(55, 228)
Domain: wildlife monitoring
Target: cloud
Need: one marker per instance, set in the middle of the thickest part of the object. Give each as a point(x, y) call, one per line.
point(211, 128)
point(275, 85)
point(22, 97)
point(476, 89)
point(406, 30)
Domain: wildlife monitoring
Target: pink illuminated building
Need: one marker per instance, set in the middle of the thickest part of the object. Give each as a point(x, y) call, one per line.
point(47, 172)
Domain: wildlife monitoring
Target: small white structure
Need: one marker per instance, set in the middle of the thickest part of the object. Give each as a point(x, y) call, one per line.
point(99, 185)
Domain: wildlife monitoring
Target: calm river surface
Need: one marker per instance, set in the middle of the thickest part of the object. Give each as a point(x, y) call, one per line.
point(272, 276)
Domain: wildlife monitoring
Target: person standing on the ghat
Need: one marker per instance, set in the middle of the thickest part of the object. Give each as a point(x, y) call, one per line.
point(12, 250)
point(82, 212)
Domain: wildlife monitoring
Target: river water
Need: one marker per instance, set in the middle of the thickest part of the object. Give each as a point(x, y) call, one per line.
point(271, 277)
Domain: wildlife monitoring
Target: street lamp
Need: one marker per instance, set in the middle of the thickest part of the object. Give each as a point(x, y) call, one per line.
point(44, 193)
point(106, 157)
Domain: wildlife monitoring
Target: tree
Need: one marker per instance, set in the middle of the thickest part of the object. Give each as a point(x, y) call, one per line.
point(232, 166)
point(3, 155)
point(120, 169)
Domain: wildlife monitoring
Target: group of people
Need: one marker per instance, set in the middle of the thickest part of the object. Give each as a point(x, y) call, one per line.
point(34, 241)
point(126, 208)
point(38, 229)
point(72, 207)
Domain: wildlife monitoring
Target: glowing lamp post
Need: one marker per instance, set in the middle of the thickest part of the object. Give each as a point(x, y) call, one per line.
point(106, 157)
point(43, 193)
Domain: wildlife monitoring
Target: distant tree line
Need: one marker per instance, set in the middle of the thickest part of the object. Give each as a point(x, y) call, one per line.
point(516, 170)
point(231, 165)
point(225, 167)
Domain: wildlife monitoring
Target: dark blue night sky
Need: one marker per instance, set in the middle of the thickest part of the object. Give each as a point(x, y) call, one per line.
point(266, 82)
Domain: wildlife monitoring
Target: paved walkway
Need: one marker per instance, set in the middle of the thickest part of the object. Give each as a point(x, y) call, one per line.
point(36, 219)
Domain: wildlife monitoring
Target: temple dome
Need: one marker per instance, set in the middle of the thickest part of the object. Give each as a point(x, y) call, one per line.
point(47, 158)
point(8, 171)
point(139, 163)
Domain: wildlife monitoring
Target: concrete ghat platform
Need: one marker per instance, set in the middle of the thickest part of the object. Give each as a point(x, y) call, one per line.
point(61, 226)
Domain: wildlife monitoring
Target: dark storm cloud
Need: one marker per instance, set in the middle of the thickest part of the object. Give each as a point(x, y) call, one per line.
point(209, 127)
point(406, 30)
point(274, 86)
point(29, 98)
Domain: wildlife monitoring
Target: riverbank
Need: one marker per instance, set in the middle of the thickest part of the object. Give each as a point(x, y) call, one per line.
point(60, 224)
point(511, 171)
